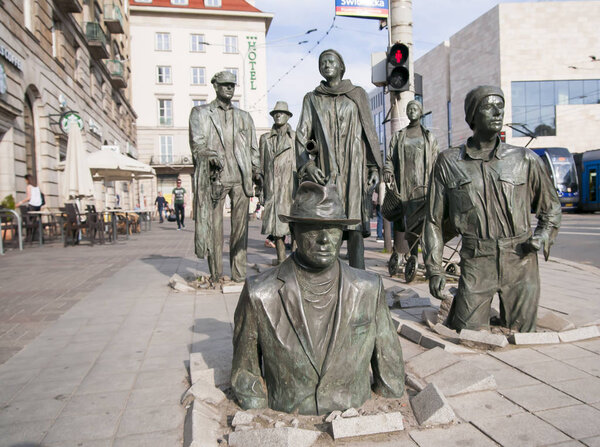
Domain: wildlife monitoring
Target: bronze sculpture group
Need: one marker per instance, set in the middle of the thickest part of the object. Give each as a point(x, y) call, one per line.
point(307, 331)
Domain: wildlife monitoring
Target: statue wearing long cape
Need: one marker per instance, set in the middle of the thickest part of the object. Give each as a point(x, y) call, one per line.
point(339, 120)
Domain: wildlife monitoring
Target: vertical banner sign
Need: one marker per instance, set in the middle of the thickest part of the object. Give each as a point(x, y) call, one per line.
point(369, 9)
point(252, 60)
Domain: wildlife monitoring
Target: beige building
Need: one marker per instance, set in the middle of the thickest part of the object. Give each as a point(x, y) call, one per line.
point(546, 58)
point(58, 56)
point(177, 46)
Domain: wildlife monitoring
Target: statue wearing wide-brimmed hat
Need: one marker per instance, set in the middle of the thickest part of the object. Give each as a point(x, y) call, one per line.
point(278, 161)
point(308, 331)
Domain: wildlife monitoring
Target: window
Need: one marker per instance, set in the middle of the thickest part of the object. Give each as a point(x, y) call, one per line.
point(197, 42)
point(163, 42)
point(27, 14)
point(163, 74)
point(427, 120)
point(231, 44)
point(234, 71)
point(179, 2)
point(198, 102)
point(198, 75)
point(165, 112)
point(166, 148)
point(141, 1)
point(212, 3)
point(593, 180)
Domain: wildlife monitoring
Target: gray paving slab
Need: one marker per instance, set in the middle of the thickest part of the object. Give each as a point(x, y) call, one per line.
point(553, 371)
point(505, 375)
point(522, 429)
point(454, 436)
point(589, 364)
point(520, 356)
point(579, 421)
point(150, 419)
point(25, 433)
point(484, 404)
point(90, 443)
point(462, 377)
point(29, 411)
point(431, 361)
point(166, 438)
point(563, 351)
point(586, 390)
point(538, 397)
point(590, 345)
point(83, 427)
point(592, 442)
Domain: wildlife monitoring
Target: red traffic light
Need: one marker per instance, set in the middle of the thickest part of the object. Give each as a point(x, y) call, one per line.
point(398, 54)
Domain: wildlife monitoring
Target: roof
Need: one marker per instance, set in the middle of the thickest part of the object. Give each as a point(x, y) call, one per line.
point(226, 5)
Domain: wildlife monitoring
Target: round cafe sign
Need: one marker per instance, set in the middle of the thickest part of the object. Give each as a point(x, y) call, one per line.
point(70, 117)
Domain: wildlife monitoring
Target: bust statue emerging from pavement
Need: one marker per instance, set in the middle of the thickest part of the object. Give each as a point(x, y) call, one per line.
point(487, 190)
point(307, 331)
point(226, 162)
point(336, 119)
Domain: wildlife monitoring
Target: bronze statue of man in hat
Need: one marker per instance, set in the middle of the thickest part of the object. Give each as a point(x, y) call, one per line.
point(278, 161)
point(308, 331)
point(336, 140)
point(487, 189)
point(226, 163)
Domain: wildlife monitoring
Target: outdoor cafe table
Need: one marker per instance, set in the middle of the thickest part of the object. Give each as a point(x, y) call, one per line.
point(41, 214)
point(142, 213)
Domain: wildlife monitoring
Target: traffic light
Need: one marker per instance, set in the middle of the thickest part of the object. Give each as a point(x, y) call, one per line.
point(398, 76)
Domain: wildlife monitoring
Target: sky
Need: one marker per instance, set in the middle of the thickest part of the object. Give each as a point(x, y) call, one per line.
point(433, 22)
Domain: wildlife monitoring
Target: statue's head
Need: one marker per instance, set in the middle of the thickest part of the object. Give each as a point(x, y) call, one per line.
point(414, 110)
point(224, 84)
point(484, 109)
point(331, 65)
point(317, 221)
point(281, 113)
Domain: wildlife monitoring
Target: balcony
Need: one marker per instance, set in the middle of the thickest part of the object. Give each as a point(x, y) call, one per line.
point(171, 160)
point(68, 5)
point(113, 19)
point(116, 69)
point(96, 40)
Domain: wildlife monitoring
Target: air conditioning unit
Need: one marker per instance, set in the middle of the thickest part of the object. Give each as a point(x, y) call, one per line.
point(186, 160)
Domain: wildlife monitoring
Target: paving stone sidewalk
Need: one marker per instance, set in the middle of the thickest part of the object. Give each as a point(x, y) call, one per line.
point(94, 349)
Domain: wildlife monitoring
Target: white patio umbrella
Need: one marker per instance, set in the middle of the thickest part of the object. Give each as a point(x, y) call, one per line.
point(78, 182)
point(112, 165)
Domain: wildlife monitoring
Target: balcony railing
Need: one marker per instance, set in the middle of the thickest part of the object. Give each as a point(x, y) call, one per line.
point(116, 68)
point(113, 19)
point(68, 5)
point(168, 159)
point(96, 40)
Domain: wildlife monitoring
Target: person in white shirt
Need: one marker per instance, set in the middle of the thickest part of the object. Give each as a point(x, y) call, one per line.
point(34, 195)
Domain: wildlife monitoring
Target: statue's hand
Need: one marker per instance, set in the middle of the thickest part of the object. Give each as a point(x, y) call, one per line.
point(314, 174)
point(436, 286)
point(534, 243)
point(373, 180)
point(387, 177)
point(215, 163)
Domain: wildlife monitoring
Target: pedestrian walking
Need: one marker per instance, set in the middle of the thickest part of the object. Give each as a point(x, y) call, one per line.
point(160, 203)
point(179, 204)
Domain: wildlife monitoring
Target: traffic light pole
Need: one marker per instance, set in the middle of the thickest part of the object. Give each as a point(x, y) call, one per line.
point(400, 30)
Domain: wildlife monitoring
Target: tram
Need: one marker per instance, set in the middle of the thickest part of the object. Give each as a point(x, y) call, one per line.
point(561, 166)
point(588, 168)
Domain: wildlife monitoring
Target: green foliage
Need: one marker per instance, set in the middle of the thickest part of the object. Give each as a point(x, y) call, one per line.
point(8, 202)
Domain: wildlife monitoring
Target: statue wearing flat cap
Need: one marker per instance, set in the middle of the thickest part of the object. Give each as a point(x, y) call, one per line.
point(278, 161)
point(336, 140)
point(308, 331)
point(487, 189)
point(226, 163)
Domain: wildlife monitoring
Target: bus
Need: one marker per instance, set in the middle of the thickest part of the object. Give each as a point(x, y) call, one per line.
point(588, 167)
point(560, 165)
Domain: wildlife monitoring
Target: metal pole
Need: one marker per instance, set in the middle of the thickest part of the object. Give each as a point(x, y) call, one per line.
point(400, 30)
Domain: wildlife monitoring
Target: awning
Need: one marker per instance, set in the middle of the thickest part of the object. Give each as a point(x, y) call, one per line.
point(112, 165)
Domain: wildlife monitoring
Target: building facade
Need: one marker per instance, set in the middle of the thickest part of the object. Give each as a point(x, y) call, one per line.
point(546, 58)
point(59, 56)
point(177, 46)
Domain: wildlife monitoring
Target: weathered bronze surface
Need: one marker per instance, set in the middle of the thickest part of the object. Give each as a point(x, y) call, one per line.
point(487, 189)
point(408, 164)
point(278, 161)
point(307, 330)
point(336, 140)
point(226, 162)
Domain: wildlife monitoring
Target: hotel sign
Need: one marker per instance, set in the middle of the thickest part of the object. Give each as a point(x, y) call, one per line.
point(252, 61)
point(370, 9)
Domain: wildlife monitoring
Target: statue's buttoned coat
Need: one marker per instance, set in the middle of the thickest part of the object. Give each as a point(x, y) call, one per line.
point(273, 361)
